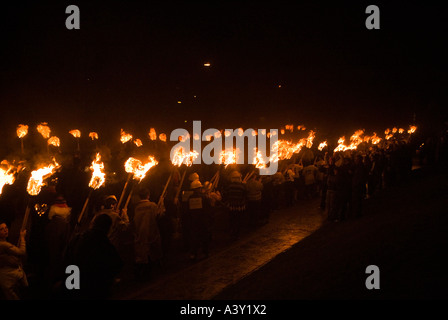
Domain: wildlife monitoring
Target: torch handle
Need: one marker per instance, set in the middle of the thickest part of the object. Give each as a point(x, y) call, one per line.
point(180, 184)
point(84, 207)
point(124, 189)
point(162, 196)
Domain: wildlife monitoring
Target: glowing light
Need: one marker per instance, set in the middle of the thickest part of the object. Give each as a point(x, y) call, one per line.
point(98, 176)
point(125, 137)
point(54, 141)
point(44, 130)
point(75, 133)
point(36, 181)
point(22, 130)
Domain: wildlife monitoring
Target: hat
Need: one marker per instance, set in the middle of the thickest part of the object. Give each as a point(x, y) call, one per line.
point(196, 184)
point(194, 176)
point(235, 174)
point(111, 197)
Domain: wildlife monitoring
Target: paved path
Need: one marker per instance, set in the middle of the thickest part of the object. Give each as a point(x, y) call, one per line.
point(206, 278)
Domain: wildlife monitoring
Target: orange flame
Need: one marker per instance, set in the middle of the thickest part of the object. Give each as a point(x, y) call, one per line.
point(54, 141)
point(98, 175)
point(138, 142)
point(7, 174)
point(152, 134)
point(162, 137)
point(44, 130)
point(258, 161)
point(137, 168)
point(22, 130)
point(412, 129)
point(309, 140)
point(322, 145)
point(75, 133)
point(125, 137)
point(180, 156)
point(36, 181)
point(93, 135)
point(228, 156)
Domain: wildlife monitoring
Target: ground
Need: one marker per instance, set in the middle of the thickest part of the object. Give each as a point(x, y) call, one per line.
point(300, 256)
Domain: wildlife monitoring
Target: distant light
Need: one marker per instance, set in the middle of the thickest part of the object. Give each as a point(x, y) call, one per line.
point(279, 85)
point(179, 101)
point(207, 64)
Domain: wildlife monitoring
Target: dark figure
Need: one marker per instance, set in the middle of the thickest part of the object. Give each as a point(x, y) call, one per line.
point(199, 211)
point(359, 179)
point(234, 196)
point(97, 259)
point(342, 192)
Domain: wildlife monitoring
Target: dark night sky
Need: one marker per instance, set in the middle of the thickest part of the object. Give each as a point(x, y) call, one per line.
point(132, 61)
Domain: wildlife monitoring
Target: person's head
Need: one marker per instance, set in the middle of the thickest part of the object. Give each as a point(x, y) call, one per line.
point(3, 230)
point(144, 194)
point(102, 223)
point(110, 202)
point(235, 176)
point(196, 185)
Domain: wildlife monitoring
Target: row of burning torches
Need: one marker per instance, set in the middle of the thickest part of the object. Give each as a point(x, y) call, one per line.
point(137, 169)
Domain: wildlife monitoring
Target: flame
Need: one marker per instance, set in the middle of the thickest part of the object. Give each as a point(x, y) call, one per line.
point(125, 137)
point(228, 156)
point(180, 156)
point(152, 134)
point(138, 142)
point(309, 140)
point(137, 168)
point(54, 141)
point(375, 139)
point(282, 131)
point(22, 130)
point(7, 174)
point(98, 175)
point(285, 149)
point(162, 137)
point(258, 161)
point(355, 140)
point(36, 181)
point(401, 130)
point(289, 127)
point(322, 145)
point(44, 130)
point(412, 129)
point(75, 133)
point(394, 130)
point(93, 135)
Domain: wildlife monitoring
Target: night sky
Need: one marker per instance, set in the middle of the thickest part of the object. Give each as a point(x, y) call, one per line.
point(131, 62)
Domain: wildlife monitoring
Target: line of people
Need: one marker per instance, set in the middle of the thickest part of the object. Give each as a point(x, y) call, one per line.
point(116, 241)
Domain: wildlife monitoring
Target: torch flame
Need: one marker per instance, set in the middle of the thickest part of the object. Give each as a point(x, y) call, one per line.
point(137, 168)
point(412, 129)
point(98, 175)
point(125, 137)
point(228, 156)
point(54, 141)
point(22, 130)
point(152, 134)
point(36, 181)
point(93, 135)
point(258, 160)
point(322, 145)
point(44, 130)
point(7, 174)
point(138, 142)
point(162, 137)
point(75, 133)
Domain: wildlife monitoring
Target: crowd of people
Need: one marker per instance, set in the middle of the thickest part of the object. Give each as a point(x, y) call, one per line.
point(141, 234)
